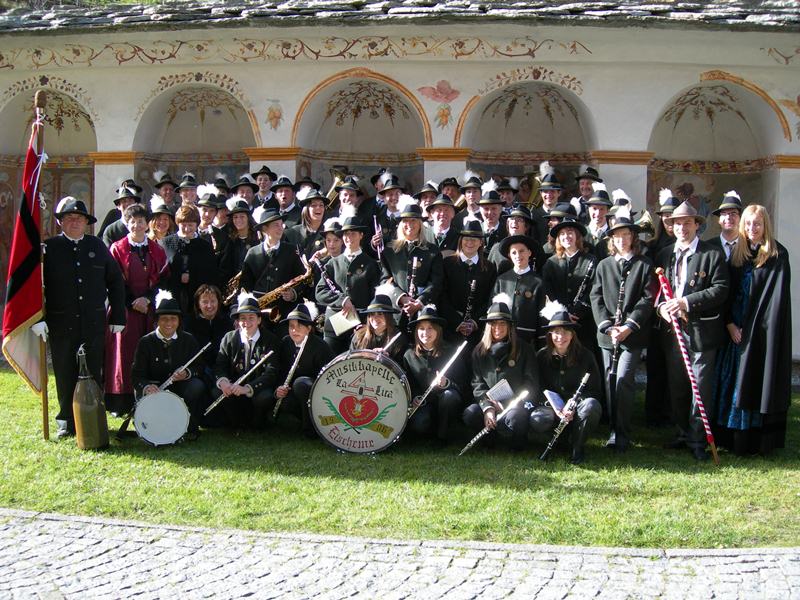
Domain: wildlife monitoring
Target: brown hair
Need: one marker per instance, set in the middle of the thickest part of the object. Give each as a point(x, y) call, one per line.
point(207, 289)
point(364, 337)
point(636, 244)
point(437, 343)
point(187, 214)
point(560, 252)
point(485, 344)
point(573, 351)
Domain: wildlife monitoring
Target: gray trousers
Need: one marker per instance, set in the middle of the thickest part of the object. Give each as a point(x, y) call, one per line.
point(623, 393)
point(543, 420)
point(685, 411)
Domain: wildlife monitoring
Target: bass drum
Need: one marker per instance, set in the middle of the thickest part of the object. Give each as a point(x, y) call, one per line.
point(359, 403)
point(161, 418)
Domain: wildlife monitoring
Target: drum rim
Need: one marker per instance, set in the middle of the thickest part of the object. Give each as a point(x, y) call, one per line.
point(354, 354)
point(154, 444)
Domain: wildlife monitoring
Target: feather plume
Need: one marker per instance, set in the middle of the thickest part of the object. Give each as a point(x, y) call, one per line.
point(546, 169)
point(599, 187)
point(347, 210)
point(156, 201)
point(576, 204)
point(432, 184)
point(159, 175)
point(430, 307)
point(618, 195)
point(623, 212)
point(63, 202)
point(220, 175)
point(490, 185)
point(386, 177)
point(406, 201)
point(207, 188)
point(162, 295)
point(664, 195)
point(329, 223)
point(469, 175)
point(583, 168)
point(304, 193)
point(188, 174)
point(502, 298)
point(514, 182)
point(259, 210)
point(248, 178)
point(734, 194)
point(312, 309)
point(124, 188)
point(551, 308)
point(231, 202)
point(243, 295)
point(470, 217)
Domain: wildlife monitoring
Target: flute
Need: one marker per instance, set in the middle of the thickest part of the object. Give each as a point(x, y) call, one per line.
point(420, 400)
point(522, 395)
point(239, 381)
point(288, 381)
point(569, 407)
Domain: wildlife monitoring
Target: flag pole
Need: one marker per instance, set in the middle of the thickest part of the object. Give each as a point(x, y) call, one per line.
point(40, 101)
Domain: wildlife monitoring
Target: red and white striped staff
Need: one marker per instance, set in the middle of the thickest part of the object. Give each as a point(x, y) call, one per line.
point(666, 289)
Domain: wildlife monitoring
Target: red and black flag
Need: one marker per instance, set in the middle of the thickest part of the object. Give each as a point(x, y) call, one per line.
point(24, 293)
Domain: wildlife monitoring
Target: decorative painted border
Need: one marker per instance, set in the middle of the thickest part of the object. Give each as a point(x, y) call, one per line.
point(362, 73)
point(782, 57)
point(362, 158)
point(532, 73)
point(621, 157)
point(248, 50)
point(711, 166)
point(113, 158)
point(288, 153)
point(218, 80)
point(54, 82)
point(717, 75)
point(524, 158)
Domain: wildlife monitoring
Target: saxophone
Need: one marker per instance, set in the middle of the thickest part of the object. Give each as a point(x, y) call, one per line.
point(271, 297)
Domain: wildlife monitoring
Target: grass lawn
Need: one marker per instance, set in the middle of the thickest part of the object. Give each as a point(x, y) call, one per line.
point(281, 482)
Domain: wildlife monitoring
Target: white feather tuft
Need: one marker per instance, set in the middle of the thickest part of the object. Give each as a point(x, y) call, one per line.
point(384, 289)
point(664, 195)
point(619, 194)
point(583, 168)
point(248, 178)
point(432, 184)
point(470, 217)
point(156, 201)
point(347, 210)
point(599, 187)
point(124, 188)
point(406, 201)
point(63, 202)
point(257, 212)
point(514, 182)
point(551, 308)
point(503, 298)
point(386, 177)
point(576, 204)
point(220, 175)
point(243, 295)
point(545, 168)
point(469, 175)
point(162, 295)
point(304, 193)
point(734, 194)
point(188, 174)
point(490, 185)
point(431, 307)
point(623, 212)
point(159, 175)
point(329, 223)
point(313, 311)
point(207, 188)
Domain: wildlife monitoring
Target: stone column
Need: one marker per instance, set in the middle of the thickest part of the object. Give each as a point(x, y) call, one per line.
point(283, 161)
point(625, 170)
point(110, 168)
point(444, 162)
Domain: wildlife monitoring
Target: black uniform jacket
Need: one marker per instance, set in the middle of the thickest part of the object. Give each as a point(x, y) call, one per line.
point(559, 377)
point(521, 371)
point(316, 355)
point(205, 331)
point(562, 281)
point(231, 359)
point(421, 369)
point(429, 276)
point(114, 232)
point(78, 277)
point(448, 244)
point(355, 280)
point(527, 297)
point(458, 275)
point(155, 360)
point(706, 292)
point(262, 273)
point(637, 304)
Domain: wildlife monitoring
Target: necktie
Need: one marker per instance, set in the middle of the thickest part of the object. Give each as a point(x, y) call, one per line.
point(439, 239)
point(248, 354)
point(730, 246)
point(679, 266)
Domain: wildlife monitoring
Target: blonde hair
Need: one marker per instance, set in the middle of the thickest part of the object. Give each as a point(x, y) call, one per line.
point(769, 247)
point(482, 348)
point(397, 244)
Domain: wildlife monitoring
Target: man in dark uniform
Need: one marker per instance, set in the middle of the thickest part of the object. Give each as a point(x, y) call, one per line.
point(115, 214)
point(263, 179)
point(239, 351)
point(700, 281)
point(550, 190)
point(491, 207)
point(597, 207)
point(246, 189)
point(283, 189)
point(729, 214)
point(586, 178)
point(126, 196)
point(79, 276)
point(162, 352)
point(272, 263)
point(441, 232)
point(165, 187)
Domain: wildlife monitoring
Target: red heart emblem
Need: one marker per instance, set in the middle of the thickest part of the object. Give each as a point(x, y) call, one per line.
point(358, 411)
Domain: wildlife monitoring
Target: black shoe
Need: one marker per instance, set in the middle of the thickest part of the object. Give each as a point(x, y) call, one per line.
point(612, 441)
point(621, 448)
point(577, 457)
point(675, 445)
point(700, 454)
point(192, 436)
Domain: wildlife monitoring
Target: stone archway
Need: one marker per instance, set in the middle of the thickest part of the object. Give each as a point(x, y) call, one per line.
point(360, 120)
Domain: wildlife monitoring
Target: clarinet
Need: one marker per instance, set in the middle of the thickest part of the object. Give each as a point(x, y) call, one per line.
point(618, 316)
point(412, 279)
point(582, 287)
point(328, 281)
point(470, 300)
point(569, 407)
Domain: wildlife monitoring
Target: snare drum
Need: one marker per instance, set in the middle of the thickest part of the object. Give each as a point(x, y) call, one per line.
point(359, 402)
point(161, 418)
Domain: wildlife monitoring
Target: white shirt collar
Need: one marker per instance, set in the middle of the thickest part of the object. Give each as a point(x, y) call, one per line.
point(72, 239)
point(267, 247)
point(528, 268)
point(287, 209)
point(570, 255)
point(627, 256)
point(162, 338)
point(692, 246)
point(244, 338)
point(135, 244)
point(473, 260)
point(726, 242)
point(349, 256)
point(443, 232)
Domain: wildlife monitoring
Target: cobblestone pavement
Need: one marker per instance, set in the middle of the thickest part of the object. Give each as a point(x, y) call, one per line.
point(53, 556)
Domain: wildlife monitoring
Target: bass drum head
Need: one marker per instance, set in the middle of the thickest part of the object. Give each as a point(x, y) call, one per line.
point(359, 403)
point(161, 418)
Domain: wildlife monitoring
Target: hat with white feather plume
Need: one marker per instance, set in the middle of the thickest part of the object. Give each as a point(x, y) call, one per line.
point(500, 310)
point(557, 315)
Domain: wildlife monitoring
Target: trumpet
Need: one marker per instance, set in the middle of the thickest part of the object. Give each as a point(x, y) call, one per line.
point(338, 179)
point(271, 297)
